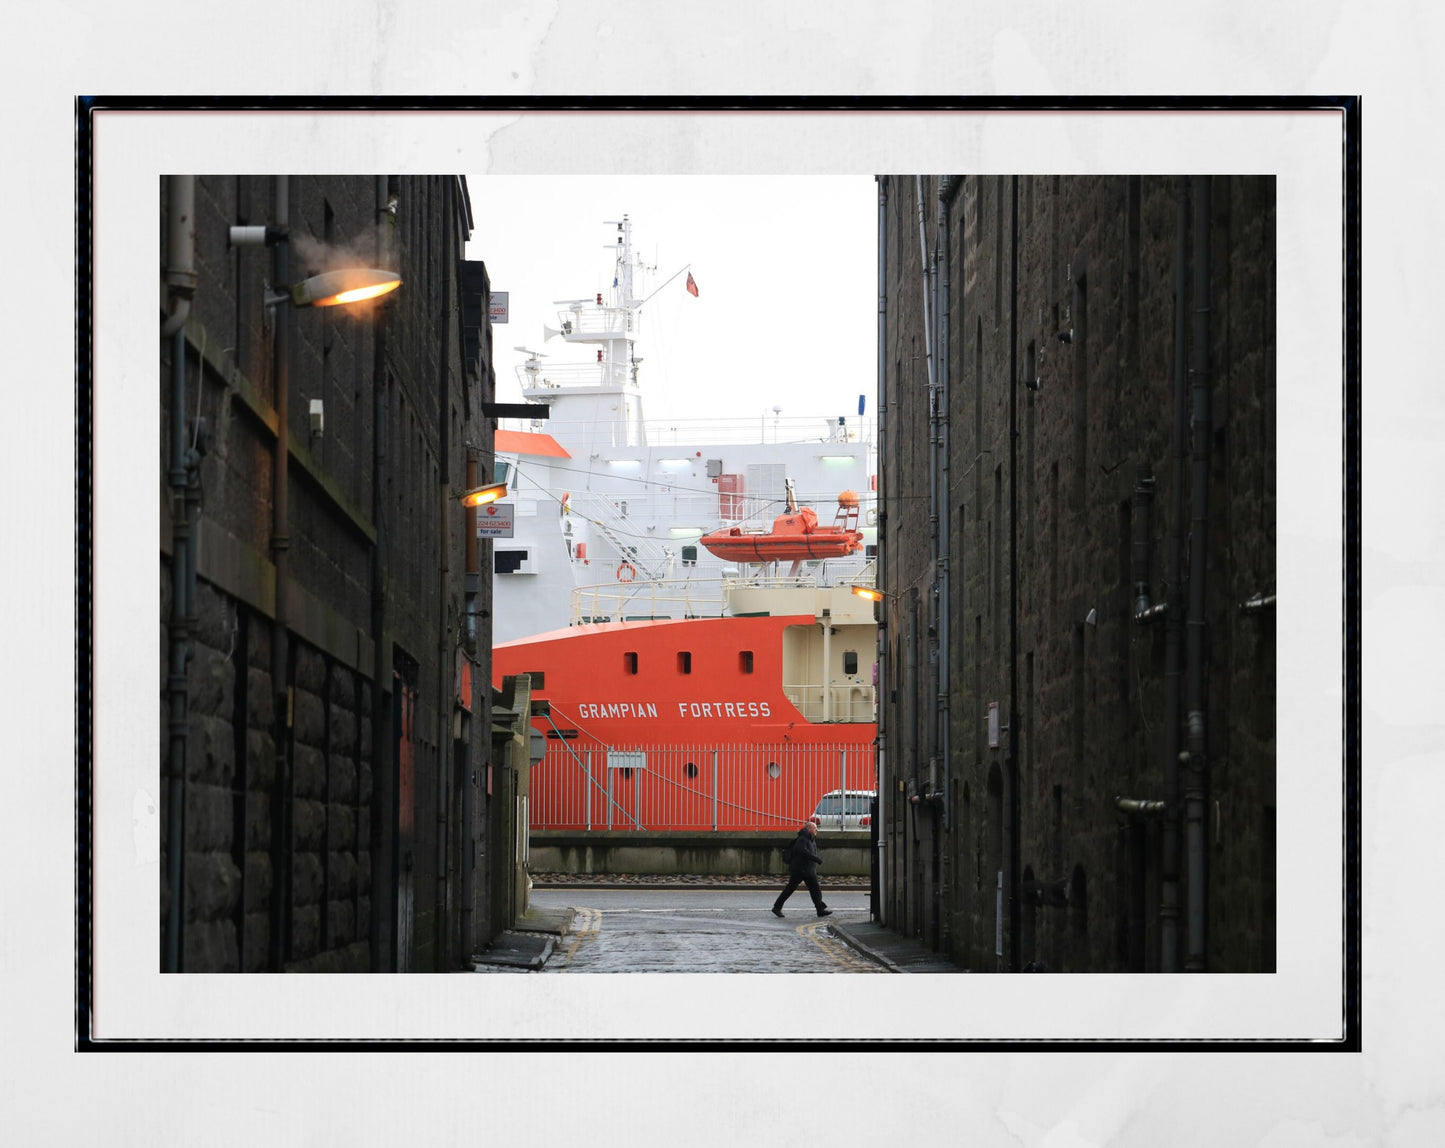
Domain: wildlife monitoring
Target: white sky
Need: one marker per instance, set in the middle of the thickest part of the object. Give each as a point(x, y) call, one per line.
point(786, 269)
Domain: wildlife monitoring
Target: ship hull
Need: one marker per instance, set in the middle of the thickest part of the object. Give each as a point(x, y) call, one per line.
point(684, 725)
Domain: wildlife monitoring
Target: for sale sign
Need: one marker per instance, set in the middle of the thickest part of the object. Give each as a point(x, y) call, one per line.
point(494, 520)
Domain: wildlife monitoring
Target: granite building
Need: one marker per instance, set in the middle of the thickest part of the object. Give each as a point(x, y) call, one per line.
point(1077, 543)
point(330, 802)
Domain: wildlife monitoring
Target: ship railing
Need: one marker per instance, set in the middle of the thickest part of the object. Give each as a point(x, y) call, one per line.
point(644, 600)
point(765, 429)
point(585, 784)
point(844, 702)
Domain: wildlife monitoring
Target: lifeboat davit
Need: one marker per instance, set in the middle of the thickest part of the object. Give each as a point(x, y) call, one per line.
point(795, 536)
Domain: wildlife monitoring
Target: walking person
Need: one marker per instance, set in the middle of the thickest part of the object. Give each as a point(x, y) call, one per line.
point(803, 861)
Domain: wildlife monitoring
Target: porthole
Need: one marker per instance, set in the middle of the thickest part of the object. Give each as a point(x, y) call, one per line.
point(690, 769)
point(774, 770)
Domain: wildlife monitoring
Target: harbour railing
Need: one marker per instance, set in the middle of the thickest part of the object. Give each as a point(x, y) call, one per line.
point(582, 784)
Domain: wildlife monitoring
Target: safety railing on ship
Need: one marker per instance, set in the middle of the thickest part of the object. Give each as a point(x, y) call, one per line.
point(586, 785)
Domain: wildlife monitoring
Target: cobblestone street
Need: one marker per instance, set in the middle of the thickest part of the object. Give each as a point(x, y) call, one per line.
point(651, 930)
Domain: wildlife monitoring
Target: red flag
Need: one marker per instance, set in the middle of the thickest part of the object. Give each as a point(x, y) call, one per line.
point(691, 285)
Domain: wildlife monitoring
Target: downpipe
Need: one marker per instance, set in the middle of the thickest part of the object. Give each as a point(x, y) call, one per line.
point(1196, 783)
point(1173, 606)
point(181, 280)
point(445, 670)
point(1015, 802)
point(880, 903)
point(280, 545)
point(383, 924)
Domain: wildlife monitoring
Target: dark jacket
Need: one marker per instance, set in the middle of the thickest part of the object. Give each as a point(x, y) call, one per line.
point(804, 857)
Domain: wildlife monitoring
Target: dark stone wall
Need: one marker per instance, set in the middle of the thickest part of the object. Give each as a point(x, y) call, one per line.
point(1095, 261)
point(295, 871)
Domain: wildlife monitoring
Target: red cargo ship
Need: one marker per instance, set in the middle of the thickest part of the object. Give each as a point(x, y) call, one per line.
point(731, 723)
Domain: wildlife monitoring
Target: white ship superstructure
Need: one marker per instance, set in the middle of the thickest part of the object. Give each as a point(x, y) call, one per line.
point(608, 507)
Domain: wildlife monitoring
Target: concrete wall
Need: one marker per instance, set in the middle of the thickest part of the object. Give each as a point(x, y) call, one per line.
point(723, 854)
point(1036, 500)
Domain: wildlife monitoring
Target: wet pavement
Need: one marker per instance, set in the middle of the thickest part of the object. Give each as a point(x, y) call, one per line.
point(672, 925)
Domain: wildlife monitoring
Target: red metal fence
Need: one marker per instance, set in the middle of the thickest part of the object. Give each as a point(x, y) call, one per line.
point(583, 784)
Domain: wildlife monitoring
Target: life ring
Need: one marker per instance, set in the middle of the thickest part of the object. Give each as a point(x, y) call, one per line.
point(626, 572)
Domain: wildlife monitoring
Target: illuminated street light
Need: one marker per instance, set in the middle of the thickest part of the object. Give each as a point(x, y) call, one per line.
point(482, 495)
point(349, 285)
point(872, 593)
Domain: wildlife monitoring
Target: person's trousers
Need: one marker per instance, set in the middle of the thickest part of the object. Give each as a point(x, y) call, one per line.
point(803, 878)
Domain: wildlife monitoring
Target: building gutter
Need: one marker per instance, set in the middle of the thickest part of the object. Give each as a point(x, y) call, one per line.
point(280, 546)
point(1174, 591)
point(446, 672)
point(181, 283)
point(1015, 915)
point(879, 904)
point(383, 810)
point(1197, 780)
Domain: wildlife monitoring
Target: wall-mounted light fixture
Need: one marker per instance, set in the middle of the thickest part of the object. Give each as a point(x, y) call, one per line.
point(330, 288)
point(481, 495)
point(871, 593)
point(335, 288)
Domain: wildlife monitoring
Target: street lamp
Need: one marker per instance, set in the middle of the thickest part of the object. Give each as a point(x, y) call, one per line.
point(349, 285)
point(481, 495)
point(871, 593)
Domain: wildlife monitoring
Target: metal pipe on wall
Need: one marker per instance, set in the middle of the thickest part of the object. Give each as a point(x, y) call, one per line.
point(881, 904)
point(1196, 785)
point(1015, 914)
point(1174, 591)
point(181, 281)
point(383, 808)
point(445, 671)
point(280, 545)
point(948, 189)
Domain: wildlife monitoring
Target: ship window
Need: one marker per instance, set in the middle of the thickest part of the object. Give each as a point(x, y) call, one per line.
point(850, 662)
point(689, 555)
point(684, 661)
point(629, 662)
point(745, 661)
point(502, 472)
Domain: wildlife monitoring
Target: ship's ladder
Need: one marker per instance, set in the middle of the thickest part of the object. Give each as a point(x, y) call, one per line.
point(650, 559)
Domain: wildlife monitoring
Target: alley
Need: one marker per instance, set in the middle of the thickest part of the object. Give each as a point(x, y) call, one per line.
point(702, 931)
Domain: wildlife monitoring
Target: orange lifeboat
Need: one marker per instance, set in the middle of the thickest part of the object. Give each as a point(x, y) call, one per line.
point(795, 536)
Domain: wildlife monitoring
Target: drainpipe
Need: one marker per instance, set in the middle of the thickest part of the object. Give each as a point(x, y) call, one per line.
point(1174, 588)
point(1197, 779)
point(445, 669)
point(280, 543)
point(1015, 915)
point(180, 278)
point(469, 521)
point(880, 691)
point(948, 189)
point(1143, 499)
point(928, 267)
point(383, 807)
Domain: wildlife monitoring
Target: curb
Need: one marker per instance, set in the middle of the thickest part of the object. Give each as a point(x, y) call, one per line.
point(859, 947)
